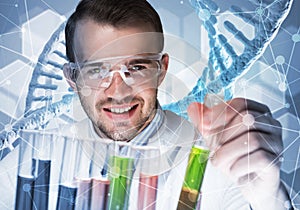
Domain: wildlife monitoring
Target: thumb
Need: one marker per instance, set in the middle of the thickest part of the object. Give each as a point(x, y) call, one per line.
point(195, 113)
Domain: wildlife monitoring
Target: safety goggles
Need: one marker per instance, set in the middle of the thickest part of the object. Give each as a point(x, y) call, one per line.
point(134, 70)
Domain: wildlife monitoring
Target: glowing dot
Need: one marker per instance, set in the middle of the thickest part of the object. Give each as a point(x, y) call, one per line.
point(115, 172)
point(243, 82)
point(41, 153)
point(26, 187)
point(260, 11)
point(86, 91)
point(282, 86)
point(72, 200)
point(73, 130)
point(16, 5)
point(280, 60)
point(8, 127)
point(287, 204)
point(63, 18)
point(296, 38)
point(204, 14)
point(281, 159)
point(8, 82)
point(248, 120)
point(34, 59)
point(245, 143)
point(181, 2)
point(287, 105)
point(23, 30)
point(117, 207)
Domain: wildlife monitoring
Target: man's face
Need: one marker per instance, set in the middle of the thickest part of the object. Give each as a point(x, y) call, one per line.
point(119, 110)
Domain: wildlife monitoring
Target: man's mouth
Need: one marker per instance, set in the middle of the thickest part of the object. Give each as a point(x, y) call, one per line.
point(121, 111)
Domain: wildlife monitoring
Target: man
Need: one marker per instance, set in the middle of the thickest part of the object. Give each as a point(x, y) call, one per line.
point(116, 66)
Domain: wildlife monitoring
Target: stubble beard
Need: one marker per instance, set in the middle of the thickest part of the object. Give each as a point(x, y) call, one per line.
point(120, 131)
point(124, 131)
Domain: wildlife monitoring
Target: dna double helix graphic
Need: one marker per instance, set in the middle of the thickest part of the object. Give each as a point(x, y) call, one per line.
point(223, 68)
point(224, 65)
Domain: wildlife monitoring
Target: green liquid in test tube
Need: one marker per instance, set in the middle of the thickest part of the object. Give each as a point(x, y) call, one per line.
point(120, 175)
point(193, 178)
point(197, 162)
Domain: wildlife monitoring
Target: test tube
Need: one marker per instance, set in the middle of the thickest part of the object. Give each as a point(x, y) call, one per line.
point(120, 172)
point(100, 182)
point(25, 179)
point(148, 177)
point(67, 189)
point(100, 193)
point(83, 195)
point(42, 168)
point(199, 155)
point(193, 177)
point(82, 174)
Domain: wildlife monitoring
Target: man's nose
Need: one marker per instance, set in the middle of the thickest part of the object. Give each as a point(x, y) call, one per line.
point(117, 89)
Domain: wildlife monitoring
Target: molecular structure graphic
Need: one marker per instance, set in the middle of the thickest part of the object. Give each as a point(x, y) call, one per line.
point(222, 69)
point(221, 72)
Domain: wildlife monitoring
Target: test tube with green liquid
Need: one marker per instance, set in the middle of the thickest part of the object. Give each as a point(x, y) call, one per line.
point(190, 192)
point(193, 178)
point(120, 174)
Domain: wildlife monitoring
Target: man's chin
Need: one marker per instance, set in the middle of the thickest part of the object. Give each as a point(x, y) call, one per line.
point(121, 136)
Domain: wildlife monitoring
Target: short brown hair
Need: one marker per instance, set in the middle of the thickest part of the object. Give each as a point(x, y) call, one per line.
point(117, 13)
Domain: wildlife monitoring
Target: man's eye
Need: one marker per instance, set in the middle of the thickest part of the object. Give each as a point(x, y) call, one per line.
point(137, 67)
point(93, 73)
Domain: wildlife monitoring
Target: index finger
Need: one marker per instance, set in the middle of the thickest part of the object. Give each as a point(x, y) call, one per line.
point(205, 118)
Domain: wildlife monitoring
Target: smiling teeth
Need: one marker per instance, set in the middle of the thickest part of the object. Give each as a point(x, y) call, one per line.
point(120, 110)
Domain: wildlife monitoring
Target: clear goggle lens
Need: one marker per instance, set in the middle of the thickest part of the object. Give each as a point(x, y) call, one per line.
point(133, 70)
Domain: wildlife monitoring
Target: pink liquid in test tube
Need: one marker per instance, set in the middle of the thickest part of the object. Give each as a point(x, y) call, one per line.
point(99, 194)
point(83, 194)
point(147, 192)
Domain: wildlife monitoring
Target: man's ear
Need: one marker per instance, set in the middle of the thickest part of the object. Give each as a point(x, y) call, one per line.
point(69, 75)
point(164, 68)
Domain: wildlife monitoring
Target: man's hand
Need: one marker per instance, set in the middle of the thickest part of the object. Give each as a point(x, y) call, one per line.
point(246, 145)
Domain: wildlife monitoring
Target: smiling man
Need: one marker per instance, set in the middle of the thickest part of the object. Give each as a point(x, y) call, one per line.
point(116, 66)
point(119, 108)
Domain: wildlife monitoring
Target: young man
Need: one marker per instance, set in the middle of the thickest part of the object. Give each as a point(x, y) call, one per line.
point(116, 66)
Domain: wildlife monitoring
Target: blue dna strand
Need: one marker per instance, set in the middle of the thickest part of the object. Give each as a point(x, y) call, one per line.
point(223, 68)
point(224, 65)
point(40, 107)
point(41, 71)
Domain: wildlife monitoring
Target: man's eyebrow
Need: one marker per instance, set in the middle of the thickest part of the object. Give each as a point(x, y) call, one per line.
point(139, 60)
point(92, 63)
point(95, 63)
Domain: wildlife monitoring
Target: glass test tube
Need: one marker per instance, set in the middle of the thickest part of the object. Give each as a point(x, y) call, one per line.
point(67, 189)
point(100, 182)
point(25, 179)
point(199, 155)
point(120, 172)
point(148, 178)
point(42, 168)
point(193, 178)
point(82, 175)
point(100, 193)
